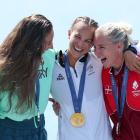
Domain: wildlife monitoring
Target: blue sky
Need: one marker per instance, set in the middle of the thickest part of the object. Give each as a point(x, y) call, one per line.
point(62, 13)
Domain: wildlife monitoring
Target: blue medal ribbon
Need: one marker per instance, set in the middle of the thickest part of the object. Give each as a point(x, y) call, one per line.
point(77, 101)
point(37, 94)
point(123, 92)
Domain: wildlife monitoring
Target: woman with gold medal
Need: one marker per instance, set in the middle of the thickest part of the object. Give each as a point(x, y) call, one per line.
point(77, 87)
point(82, 115)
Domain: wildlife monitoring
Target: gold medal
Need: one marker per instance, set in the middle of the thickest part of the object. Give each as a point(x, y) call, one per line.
point(77, 120)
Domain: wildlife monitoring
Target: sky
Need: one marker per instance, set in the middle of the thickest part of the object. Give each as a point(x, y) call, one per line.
point(62, 13)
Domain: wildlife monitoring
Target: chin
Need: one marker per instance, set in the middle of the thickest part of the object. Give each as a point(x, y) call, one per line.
point(106, 66)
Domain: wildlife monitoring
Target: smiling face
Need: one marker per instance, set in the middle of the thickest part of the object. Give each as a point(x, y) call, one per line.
point(109, 53)
point(80, 40)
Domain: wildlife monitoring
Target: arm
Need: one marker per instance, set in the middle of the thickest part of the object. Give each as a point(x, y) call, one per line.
point(132, 60)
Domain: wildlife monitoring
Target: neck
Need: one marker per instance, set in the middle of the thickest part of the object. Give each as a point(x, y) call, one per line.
point(71, 59)
point(118, 65)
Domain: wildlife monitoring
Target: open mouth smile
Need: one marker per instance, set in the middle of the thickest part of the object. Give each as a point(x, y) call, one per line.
point(77, 49)
point(103, 60)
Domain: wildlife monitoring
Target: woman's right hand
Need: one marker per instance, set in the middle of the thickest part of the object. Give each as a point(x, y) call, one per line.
point(55, 105)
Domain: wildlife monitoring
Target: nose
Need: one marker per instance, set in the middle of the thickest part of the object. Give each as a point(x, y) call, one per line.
point(80, 43)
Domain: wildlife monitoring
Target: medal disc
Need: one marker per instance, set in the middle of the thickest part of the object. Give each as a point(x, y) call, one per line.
point(77, 119)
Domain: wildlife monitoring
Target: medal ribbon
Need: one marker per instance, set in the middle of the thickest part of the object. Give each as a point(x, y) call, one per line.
point(123, 92)
point(77, 101)
point(37, 93)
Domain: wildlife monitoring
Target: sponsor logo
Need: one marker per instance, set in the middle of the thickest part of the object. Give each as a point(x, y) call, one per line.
point(90, 70)
point(136, 91)
point(60, 77)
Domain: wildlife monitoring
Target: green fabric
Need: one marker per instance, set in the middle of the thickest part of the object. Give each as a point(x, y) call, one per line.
point(45, 77)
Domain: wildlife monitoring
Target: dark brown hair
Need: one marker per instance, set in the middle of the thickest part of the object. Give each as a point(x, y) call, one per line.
point(86, 20)
point(20, 56)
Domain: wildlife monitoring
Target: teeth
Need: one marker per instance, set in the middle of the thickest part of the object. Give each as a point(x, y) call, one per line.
point(77, 49)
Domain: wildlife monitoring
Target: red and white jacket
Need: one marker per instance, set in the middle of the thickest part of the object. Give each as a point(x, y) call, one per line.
point(130, 125)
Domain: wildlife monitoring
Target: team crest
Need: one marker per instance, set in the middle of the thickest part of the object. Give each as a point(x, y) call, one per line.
point(135, 85)
point(136, 91)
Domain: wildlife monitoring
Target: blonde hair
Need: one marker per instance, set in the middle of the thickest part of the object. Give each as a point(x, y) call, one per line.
point(117, 32)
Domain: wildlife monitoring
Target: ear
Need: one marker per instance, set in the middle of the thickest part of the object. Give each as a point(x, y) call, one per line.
point(120, 46)
point(69, 33)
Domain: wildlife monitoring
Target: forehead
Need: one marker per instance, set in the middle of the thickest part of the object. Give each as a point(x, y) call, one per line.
point(100, 38)
point(81, 26)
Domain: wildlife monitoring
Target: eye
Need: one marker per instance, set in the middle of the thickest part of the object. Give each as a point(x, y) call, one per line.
point(77, 36)
point(89, 42)
point(102, 47)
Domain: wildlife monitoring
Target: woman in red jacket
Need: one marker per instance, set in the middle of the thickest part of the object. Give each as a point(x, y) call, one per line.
point(121, 86)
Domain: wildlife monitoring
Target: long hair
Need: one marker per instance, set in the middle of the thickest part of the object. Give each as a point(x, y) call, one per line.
point(20, 56)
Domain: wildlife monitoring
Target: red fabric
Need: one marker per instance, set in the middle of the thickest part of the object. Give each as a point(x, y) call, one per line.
point(130, 125)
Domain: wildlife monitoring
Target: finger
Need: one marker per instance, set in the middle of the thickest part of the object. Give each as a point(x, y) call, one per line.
point(137, 69)
point(52, 100)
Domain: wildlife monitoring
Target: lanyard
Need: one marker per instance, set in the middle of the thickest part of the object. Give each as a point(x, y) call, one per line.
point(77, 101)
point(37, 94)
point(123, 92)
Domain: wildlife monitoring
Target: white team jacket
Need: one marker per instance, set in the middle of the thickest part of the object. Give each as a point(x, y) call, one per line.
point(97, 126)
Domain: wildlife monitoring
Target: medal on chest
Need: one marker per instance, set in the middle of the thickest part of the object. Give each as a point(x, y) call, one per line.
point(77, 119)
point(120, 107)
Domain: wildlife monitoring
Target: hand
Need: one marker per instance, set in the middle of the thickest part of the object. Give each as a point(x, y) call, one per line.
point(55, 105)
point(132, 61)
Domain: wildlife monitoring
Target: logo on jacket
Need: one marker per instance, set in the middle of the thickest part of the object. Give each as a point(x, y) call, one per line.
point(135, 91)
point(42, 73)
point(90, 70)
point(135, 85)
point(108, 90)
point(60, 77)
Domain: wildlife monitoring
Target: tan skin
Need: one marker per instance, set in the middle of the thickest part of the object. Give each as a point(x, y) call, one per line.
point(133, 61)
point(80, 41)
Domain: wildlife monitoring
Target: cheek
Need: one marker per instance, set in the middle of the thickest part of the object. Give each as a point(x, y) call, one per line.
point(86, 49)
point(48, 46)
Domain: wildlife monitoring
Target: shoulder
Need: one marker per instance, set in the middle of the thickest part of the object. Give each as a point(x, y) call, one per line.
point(49, 56)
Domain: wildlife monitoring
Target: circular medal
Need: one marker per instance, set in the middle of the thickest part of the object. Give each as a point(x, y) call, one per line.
point(77, 119)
